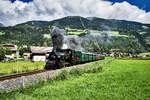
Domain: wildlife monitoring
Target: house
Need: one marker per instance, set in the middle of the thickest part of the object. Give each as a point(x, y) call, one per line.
point(26, 56)
point(13, 49)
point(40, 53)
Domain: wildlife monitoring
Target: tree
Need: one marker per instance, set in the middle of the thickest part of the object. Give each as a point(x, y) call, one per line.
point(2, 53)
point(45, 44)
point(8, 51)
point(24, 50)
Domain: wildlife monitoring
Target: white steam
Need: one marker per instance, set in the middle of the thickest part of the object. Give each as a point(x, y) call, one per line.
point(79, 43)
point(61, 41)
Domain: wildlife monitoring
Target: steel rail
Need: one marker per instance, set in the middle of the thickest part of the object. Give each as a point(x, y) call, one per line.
point(13, 76)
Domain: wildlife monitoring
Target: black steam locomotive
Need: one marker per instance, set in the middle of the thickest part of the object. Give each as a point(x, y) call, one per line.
point(67, 57)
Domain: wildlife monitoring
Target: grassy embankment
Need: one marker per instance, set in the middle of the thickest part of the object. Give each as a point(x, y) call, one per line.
point(19, 66)
point(121, 79)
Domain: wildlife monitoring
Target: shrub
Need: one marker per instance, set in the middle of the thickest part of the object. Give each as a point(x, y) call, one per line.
point(62, 75)
point(93, 69)
point(96, 69)
point(76, 71)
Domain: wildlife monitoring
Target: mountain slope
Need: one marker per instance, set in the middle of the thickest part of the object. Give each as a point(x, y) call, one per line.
point(32, 32)
point(32, 23)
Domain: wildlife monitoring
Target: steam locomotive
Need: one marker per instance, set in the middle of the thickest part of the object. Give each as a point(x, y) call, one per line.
point(67, 57)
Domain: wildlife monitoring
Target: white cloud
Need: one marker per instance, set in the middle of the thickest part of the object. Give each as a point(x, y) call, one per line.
point(18, 12)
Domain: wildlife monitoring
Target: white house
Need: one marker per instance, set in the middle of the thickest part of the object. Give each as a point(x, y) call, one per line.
point(40, 53)
point(13, 49)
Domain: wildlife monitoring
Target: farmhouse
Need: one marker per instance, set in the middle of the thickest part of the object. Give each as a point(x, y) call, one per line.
point(26, 56)
point(13, 49)
point(40, 53)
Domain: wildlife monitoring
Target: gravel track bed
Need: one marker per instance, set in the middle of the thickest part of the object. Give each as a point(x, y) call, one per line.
point(22, 81)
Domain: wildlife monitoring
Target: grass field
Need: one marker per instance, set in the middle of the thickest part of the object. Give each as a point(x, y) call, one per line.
point(2, 33)
point(121, 79)
point(19, 66)
point(71, 31)
point(147, 53)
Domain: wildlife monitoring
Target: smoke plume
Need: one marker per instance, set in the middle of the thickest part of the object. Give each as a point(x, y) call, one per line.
point(61, 41)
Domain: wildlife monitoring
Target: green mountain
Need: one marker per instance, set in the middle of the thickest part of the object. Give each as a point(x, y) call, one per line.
point(33, 23)
point(35, 32)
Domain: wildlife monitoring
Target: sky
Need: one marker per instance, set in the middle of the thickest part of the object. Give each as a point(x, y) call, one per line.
point(142, 4)
point(13, 12)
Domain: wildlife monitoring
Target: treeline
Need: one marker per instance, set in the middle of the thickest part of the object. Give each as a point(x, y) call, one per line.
point(25, 35)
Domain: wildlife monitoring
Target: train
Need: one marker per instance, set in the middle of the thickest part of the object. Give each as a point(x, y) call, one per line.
point(67, 57)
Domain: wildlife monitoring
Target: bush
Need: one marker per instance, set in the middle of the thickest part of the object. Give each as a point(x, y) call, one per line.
point(76, 71)
point(93, 69)
point(96, 69)
point(24, 50)
point(62, 75)
point(8, 51)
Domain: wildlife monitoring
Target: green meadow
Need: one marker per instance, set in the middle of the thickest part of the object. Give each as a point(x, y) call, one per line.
point(19, 66)
point(120, 79)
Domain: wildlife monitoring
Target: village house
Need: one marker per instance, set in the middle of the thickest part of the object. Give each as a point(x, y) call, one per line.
point(26, 56)
point(116, 53)
point(13, 49)
point(40, 53)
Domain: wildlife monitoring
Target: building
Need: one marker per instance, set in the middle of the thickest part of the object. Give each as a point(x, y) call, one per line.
point(40, 53)
point(13, 49)
point(26, 56)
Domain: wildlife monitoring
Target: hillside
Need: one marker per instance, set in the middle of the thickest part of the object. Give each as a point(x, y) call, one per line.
point(33, 23)
point(33, 32)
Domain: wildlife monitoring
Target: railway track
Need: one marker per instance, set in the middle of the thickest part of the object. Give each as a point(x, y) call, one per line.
point(13, 76)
